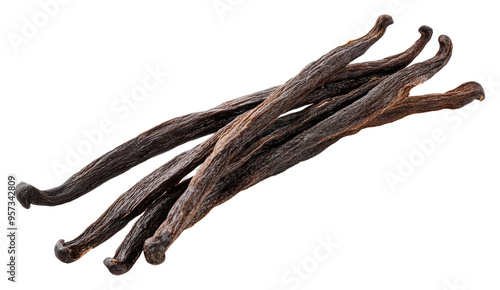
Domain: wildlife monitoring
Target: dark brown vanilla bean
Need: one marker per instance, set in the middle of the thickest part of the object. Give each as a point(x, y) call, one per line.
point(129, 251)
point(229, 145)
point(177, 131)
point(309, 143)
point(132, 203)
point(254, 137)
point(284, 130)
point(249, 174)
point(131, 248)
point(287, 127)
point(454, 99)
point(135, 200)
point(141, 195)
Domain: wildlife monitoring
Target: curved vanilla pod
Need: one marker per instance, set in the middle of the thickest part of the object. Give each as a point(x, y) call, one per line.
point(129, 205)
point(131, 247)
point(231, 143)
point(179, 130)
point(453, 99)
point(344, 122)
point(283, 129)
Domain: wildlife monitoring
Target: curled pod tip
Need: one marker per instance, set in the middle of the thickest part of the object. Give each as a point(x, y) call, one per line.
point(116, 267)
point(154, 252)
point(66, 254)
point(25, 193)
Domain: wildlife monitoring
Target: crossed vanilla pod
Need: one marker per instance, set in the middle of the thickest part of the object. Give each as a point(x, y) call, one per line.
point(251, 141)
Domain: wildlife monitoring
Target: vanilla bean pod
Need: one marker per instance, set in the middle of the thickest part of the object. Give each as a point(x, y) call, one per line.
point(133, 202)
point(347, 121)
point(131, 248)
point(162, 138)
point(289, 126)
point(230, 144)
point(285, 128)
point(177, 131)
point(253, 139)
point(130, 204)
point(249, 174)
point(453, 99)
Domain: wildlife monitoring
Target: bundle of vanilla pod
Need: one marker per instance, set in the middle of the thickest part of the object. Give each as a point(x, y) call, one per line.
point(252, 139)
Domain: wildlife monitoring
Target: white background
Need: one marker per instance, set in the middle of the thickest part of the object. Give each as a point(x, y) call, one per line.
point(439, 229)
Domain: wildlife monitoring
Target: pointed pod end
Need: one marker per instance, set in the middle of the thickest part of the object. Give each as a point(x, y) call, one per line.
point(480, 94)
point(25, 193)
point(64, 253)
point(445, 43)
point(116, 267)
point(154, 252)
point(426, 31)
point(384, 20)
point(474, 89)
